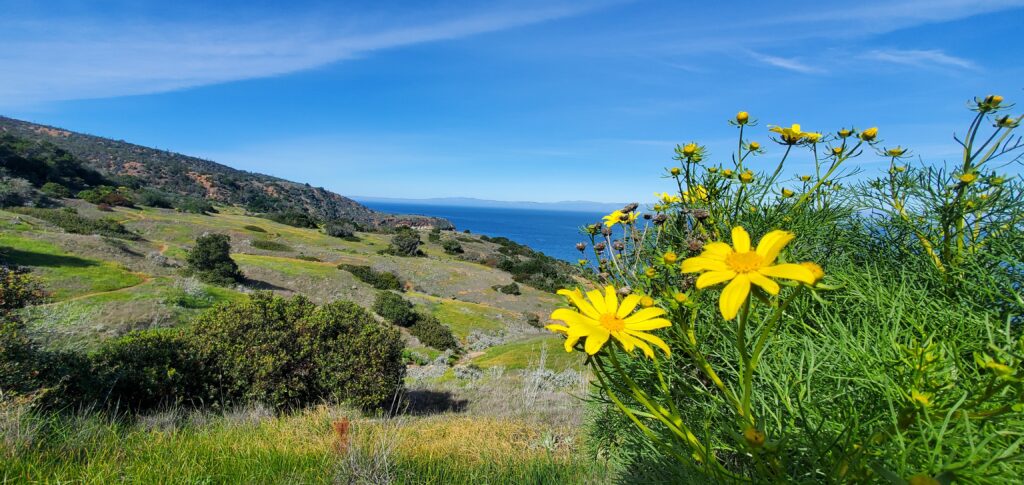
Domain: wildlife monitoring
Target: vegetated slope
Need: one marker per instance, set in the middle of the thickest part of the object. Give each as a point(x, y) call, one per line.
point(184, 175)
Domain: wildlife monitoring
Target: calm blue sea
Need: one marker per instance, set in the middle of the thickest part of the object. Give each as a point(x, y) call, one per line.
point(554, 233)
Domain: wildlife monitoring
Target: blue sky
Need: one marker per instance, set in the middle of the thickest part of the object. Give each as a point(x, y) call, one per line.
point(508, 100)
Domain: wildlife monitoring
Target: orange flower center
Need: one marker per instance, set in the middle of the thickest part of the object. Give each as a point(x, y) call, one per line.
point(612, 323)
point(744, 262)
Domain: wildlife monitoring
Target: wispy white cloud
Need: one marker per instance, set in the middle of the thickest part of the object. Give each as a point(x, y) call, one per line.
point(791, 64)
point(921, 58)
point(97, 57)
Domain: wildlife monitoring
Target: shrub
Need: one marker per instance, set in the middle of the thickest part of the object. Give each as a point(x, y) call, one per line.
point(15, 192)
point(452, 246)
point(154, 198)
point(433, 333)
point(509, 289)
point(268, 245)
point(254, 228)
point(193, 205)
point(53, 189)
point(405, 242)
point(305, 257)
point(339, 228)
point(69, 220)
point(148, 369)
point(434, 235)
point(291, 218)
point(210, 260)
point(394, 309)
point(381, 280)
point(289, 353)
point(106, 194)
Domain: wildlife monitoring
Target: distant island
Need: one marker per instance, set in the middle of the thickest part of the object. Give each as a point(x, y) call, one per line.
point(568, 205)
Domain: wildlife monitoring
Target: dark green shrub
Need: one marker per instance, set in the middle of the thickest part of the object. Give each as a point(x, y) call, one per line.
point(309, 258)
point(154, 198)
point(405, 242)
point(15, 192)
point(148, 369)
point(53, 189)
point(267, 245)
point(452, 246)
point(339, 228)
point(509, 289)
point(434, 235)
point(254, 228)
point(381, 280)
point(433, 333)
point(292, 218)
point(69, 220)
point(210, 260)
point(106, 194)
point(193, 205)
point(289, 353)
point(394, 309)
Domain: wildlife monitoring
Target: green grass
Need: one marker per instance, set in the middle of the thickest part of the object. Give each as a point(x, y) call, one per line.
point(523, 354)
point(64, 274)
point(287, 266)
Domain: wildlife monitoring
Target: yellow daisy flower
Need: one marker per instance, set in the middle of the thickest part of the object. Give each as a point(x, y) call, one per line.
point(741, 266)
point(667, 198)
point(616, 218)
point(599, 317)
point(696, 194)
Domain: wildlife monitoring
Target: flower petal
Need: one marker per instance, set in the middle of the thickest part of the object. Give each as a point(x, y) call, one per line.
point(700, 263)
point(595, 341)
point(716, 250)
point(562, 329)
point(572, 318)
point(629, 304)
point(652, 339)
point(772, 243)
point(733, 296)
point(597, 300)
point(624, 337)
point(652, 324)
point(576, 297)
point(713, 278)
point(765, 283)
point(611, 300)
point(645, 314)
point(740, 239)
point(628, 343)
point(789, 271)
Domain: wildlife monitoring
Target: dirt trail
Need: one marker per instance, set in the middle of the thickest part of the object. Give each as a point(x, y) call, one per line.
point(145, 279)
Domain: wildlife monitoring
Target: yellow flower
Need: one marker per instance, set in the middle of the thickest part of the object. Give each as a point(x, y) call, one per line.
point(1007, 122)
point(696, 194)
point(787, 193)
point(792, 135)
point(993, 100)
point(650, 272)
point(646, 301)
point(844, 133)
point(742, 117)
point(747, 177)
point(837, 151)
point(812, 137)
point(869, 134)
point(690, 148)
point(920, 398)
point(742, 266)
point(667, 198)
point(805, 178)
point(669, 257)
point(675, 171)
point(968, 178)
point(727, 173)
point(603, 316)
point(896, 152)
point(617, 218)
point(680, 297)
point(754, 437)
point(754, 146)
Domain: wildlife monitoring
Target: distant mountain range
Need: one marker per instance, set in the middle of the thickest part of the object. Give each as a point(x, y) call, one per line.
point(190, 176)
point(568, 205)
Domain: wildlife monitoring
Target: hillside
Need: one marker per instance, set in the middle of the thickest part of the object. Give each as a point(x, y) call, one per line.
point(195, 177)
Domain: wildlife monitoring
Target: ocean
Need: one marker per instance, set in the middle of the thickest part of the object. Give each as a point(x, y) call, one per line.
point(552, 232)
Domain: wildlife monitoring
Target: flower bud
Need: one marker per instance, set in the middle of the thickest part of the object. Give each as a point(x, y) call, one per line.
point(837, 151)
point(742, 117)
point(647, 216)
point(646, 301)
point(753, 437)
point(727, 173)
point(660, 219)
point(625, 291)
point(618, 245)
point(754, 146)
point(650, 272)
point(787, 193)
point(993, 100)
point(844, 133)
point(1007, 122)
point(630, 207)
point(712, 169)
point(581, 246)
point(896, 152)
point(599, 247)
point(669, 257)
point(680, 297)
point(695, 245)
point(869, 134)
point(700, 214)
point(747, 177)
point(675, 171)
point(805, 178)
point(690, 149)
point(606, 231)
point(968, 177)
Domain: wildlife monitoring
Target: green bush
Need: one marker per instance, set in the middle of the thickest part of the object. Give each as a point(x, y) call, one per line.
point(148, 369)
point(105, 194)
point(154, 198)
point(433, 333)
point(254, 228)
point(69, 220)
point(305, 257)
point(452, 246)
point(434, 235)
point(381, 280)
point(340, 229)
point(193, 205)
point(394, 309)
point(268, 245)
point(292, 218)
point(289, 353)
point(509, 289)
point(405, 242)
point(53, 189)
point(210, 260)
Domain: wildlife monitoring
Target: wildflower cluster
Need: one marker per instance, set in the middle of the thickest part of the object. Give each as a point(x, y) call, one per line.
point(708, 305)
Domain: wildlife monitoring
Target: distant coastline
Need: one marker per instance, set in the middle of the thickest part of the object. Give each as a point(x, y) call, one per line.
point(565, 206)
